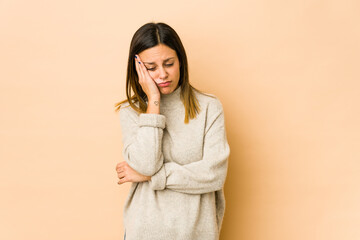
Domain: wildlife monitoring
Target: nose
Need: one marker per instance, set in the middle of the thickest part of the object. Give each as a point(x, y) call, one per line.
point(162, 73)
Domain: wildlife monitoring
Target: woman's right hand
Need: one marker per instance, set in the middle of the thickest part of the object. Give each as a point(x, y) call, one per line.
point(145, 80)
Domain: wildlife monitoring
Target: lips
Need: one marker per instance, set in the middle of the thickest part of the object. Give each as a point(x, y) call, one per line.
point(164, 84)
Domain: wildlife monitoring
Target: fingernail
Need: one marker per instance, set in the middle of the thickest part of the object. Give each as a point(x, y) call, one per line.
point(135, 56)
point(139, 62)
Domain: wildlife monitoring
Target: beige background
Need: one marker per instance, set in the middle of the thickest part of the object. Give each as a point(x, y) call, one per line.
point(287, 75)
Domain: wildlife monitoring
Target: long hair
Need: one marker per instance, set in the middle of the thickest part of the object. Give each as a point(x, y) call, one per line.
point(148, 36)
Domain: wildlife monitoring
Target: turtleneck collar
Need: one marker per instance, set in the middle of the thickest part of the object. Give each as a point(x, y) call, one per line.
point(171, 99)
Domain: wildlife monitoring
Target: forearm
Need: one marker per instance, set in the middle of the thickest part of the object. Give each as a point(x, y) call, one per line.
point(142, 139)
point(202, 175)
point(153, 105)
point(144, 154)
point(206, 175)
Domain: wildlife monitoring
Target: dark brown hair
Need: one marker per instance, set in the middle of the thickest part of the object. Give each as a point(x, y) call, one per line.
point(148, 36)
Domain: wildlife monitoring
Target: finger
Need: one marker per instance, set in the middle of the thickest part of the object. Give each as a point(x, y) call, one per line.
point(137, 57)
point(145, 72)
point(138, 67)
point(121, 175)
point(120, 165)
point(122, 180)
point(120, 169)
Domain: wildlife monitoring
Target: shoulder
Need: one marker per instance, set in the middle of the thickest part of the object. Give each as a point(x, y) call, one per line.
point(209, 102)
point(126, 112)
point(212, 109)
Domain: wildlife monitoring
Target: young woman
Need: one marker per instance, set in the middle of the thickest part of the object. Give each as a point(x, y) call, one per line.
point(174, 144)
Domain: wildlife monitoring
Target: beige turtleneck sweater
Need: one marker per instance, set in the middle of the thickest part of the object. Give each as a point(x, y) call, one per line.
point(184, 200)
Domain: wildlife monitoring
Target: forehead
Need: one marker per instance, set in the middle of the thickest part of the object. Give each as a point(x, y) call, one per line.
point(159, 53)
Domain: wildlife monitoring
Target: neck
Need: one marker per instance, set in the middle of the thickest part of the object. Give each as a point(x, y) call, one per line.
point(171, 99)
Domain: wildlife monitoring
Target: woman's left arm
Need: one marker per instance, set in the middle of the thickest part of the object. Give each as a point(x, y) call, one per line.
point(207, 174)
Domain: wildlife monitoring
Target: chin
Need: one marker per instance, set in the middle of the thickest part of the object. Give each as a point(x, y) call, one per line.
point(167, 91)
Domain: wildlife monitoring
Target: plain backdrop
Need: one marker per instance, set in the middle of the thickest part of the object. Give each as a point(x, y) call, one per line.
point(287, 73)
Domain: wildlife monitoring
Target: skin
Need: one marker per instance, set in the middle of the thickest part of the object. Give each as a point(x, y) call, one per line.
point(162, 65)
point(154, 66)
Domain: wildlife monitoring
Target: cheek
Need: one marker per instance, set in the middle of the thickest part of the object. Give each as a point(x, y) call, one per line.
point(153, 75)
point(174, 71)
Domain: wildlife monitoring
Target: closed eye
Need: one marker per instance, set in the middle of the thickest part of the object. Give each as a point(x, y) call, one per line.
point(154, 68)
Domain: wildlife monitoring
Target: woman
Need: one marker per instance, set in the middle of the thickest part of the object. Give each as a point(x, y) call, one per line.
point(174, 144)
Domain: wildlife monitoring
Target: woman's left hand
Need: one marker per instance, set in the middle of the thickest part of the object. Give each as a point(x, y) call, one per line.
point(127, 174)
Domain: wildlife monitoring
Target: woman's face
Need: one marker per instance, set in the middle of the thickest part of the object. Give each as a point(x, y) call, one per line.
point(163, 66)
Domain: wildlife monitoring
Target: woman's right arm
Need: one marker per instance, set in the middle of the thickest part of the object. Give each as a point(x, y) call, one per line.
point(204, 175)
point(142, 140)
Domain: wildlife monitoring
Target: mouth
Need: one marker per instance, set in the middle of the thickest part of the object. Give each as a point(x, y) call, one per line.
point(164, 84)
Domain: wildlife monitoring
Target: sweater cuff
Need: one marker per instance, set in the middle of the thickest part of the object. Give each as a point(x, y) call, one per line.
point(158, 180)
point(152, 120)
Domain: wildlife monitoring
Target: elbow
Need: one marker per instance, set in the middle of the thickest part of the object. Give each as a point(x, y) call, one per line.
point(145, 166)
point(219, 183)
point(142, 167)
point(219, 180)
point(149, 170)
point(152, 165)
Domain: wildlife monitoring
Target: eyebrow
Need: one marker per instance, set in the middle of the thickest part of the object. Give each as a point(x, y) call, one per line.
point(153, 63)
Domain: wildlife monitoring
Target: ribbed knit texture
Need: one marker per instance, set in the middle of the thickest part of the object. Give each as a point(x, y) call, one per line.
point(184, 200)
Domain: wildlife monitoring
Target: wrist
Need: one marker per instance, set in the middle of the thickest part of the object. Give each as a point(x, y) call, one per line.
point(153, 99)
point(153, 105)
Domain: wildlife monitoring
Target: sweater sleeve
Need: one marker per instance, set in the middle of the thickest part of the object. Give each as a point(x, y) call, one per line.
point(207, 174)
point(142, 140)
